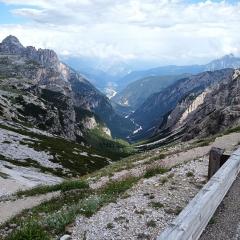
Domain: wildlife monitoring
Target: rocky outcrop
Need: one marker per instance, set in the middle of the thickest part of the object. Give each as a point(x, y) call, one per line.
point(153, 114)
point(219, 111)
point(207, 113)
point(47, 92)
point(46, 57)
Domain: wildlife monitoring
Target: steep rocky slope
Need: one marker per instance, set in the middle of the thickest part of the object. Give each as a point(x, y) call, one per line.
point(202, 114)
point(215, 110)
point(29, 157)
point(51, 95)
point(53, 123)
point(155, 110)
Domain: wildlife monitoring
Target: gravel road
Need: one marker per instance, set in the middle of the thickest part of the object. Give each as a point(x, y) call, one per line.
point(225, 224)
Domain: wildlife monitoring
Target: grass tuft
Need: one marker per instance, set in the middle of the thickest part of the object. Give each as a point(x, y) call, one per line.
point(114, 188)
point(29, 231)
point(155, 171)
point(156, 205)
point(63, 187)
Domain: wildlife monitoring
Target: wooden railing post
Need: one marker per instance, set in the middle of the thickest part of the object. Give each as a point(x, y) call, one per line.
point(216, 160)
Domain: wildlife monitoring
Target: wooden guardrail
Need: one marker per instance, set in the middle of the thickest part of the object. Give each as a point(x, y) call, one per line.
point(191, 222)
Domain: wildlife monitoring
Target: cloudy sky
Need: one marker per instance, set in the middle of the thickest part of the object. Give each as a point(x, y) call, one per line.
point(156, 31)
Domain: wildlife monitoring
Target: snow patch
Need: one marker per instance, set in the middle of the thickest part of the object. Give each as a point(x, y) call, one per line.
point(137, 130)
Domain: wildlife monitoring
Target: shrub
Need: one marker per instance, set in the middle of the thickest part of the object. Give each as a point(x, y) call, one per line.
point(110, 226)
point(163, 180)
point(90, 205)
point(155, 171)
point(151, 223)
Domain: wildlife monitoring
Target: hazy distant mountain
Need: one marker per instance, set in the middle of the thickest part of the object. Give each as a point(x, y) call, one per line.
point(102, 74)
point(228, 61)
point(156, 79)
point(86, 67)
point(138, 91)
point(111, 75)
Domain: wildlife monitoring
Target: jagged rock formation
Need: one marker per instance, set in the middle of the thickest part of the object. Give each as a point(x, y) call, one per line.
point(38, 88)
point(204, 112)
point(219, 110)
point(155, 110)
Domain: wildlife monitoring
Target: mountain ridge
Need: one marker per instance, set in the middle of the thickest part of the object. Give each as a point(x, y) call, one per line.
point(45, 72)
point(154, 111)
point(227, 61)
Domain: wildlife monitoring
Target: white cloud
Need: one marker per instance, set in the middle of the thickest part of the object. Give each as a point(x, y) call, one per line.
point(163, 31)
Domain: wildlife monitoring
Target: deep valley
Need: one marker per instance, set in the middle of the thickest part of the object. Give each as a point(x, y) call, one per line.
point(75, 164)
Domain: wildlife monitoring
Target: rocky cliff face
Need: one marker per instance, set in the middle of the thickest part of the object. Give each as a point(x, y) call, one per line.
point(36, 87)
point(46, 57)
point(154, 113)
point(220, 110)
point(204, 113)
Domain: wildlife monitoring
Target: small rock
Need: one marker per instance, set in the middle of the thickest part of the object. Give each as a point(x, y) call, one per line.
point(65, 237)
point(13, 225)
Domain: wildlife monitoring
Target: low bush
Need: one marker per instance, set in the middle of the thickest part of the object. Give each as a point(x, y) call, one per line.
point(155, 171)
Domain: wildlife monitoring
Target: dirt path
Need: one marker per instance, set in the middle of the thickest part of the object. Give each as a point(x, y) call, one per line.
point(9, 209)
point(227, 142)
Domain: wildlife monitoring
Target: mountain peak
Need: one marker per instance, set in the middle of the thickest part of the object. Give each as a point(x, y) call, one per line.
point(228, 56)
point(46, 57)
point(12, 41)
point(227, 61)
point(11, 45)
